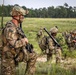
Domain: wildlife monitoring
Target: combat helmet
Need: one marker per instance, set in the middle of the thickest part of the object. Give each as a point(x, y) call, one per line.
point(17, 10)
point(74, 31)
point(54, 29)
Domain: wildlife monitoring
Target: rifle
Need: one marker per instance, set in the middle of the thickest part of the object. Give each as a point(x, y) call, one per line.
point(56, 43)
point(28, 46)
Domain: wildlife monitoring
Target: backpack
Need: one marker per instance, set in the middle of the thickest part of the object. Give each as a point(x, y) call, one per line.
point(43, 44)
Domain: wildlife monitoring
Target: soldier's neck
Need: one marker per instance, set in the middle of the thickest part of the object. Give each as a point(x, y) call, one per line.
point(15, 22)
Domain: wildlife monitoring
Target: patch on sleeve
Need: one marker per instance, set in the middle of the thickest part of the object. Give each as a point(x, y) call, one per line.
point(10, 32)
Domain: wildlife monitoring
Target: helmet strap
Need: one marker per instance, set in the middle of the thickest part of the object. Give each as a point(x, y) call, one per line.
point(17, 19)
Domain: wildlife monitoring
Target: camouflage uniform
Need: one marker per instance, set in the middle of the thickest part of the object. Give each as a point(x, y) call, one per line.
point(47, 44)
point(70, 39)
point(13, 46)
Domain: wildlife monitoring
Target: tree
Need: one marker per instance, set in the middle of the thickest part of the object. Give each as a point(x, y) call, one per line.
point(65, 11)
point(65, 5)
point(51, 12)
point(62, 12)
point(44, 12)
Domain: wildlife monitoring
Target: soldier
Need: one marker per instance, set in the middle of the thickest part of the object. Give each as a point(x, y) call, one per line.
point(72, 40)
point(47, 44)
point(74, 37)
point(13, 44)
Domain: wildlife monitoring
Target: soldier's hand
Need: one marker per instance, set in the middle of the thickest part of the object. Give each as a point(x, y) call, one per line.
point(24, 40)
point(74, 41)
point(58, 47)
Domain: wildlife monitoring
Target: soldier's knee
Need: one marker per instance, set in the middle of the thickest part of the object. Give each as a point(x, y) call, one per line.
point(33, 56)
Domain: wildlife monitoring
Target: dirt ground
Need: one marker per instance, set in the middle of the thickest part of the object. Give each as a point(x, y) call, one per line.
point(65, 63)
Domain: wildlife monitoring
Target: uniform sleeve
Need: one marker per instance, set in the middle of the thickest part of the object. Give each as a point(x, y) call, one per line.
point(12, 37)
point(50, 43)
point(69, 40)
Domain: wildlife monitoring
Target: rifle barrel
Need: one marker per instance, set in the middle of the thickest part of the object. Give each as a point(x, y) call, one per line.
point(52, 38)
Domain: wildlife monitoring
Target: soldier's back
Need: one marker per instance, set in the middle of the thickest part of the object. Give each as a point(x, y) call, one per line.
point(44, 42)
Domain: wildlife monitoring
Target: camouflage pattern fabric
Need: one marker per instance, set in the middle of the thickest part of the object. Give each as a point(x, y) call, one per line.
point(30, 68)
point(70, 39)
point(12, 45)
point(46, 44)
point(54, 29)
point(17, 10)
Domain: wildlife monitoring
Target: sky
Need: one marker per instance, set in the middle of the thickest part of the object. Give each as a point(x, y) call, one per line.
point(39, 3)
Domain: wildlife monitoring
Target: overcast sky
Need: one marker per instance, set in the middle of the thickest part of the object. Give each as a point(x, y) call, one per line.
point(39, 3)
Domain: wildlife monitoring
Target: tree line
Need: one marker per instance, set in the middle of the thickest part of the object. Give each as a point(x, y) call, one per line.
point(64, 11)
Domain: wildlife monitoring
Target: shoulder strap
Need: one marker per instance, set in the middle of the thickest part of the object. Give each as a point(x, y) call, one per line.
point(9, 24)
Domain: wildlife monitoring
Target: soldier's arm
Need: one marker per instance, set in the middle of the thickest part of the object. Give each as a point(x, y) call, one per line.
point(12, 38)
point(69, 39)
point(51, 45)
point(74, 41)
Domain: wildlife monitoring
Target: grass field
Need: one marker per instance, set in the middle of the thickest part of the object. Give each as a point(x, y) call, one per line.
point(31, 26)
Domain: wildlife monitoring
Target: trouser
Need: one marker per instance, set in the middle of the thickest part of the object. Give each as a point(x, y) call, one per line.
point(8, 66)
point(58, 55)
point(30, 60)
point(49, 56)
point(30, 68)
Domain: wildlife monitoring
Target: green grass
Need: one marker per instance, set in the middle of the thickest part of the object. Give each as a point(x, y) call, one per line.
point(31, 26)
point(47, 68)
